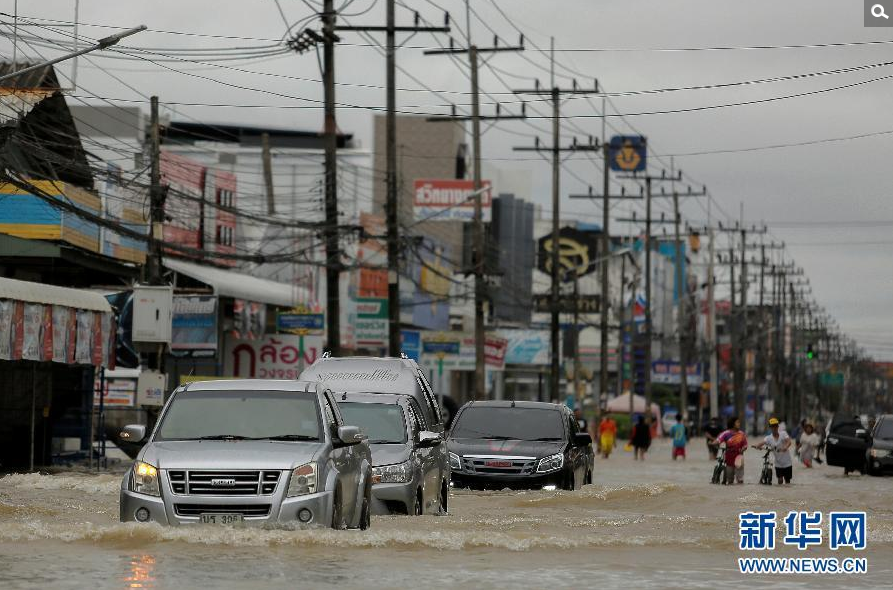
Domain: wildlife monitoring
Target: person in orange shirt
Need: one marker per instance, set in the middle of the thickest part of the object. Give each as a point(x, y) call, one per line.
point(607, 432)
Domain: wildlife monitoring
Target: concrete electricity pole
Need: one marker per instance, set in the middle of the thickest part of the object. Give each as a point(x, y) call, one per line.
point(392, 206)
point(474, 52)
point(333, 249)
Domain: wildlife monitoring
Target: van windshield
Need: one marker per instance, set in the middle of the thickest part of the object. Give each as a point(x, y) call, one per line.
point(508, 423)
point(241, 415)
point(382, 423)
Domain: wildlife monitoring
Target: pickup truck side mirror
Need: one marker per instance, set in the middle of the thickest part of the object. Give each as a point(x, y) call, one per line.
point(428, 439)
point(582, 439)
point(133, 433)
point(350, 435)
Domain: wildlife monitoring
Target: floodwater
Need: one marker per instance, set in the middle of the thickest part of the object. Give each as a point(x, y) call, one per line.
point(656, 524)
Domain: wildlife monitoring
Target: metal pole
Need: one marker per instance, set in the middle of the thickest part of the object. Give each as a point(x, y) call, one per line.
point(577, 366)
point(621, 331)
point(682, 294)
point(648, 327)
point(156, 198)
point(480, 391)
point(604, 303)
point(101, 417)
point(333, 251)
point(391, 199)
point(711, 323)
point(740, 381)
point(33, 404)
point(554, 377)
point(268, 172)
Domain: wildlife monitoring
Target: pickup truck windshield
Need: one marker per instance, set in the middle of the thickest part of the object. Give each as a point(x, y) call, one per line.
point(509, 423)
point(382, 423)
point(238, 415)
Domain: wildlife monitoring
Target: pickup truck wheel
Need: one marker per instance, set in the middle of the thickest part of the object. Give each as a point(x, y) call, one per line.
point(336, 511)
point(444, 498)
point(366, 512)
point(417, 505)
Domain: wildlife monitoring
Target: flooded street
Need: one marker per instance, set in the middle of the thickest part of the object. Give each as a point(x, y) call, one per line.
point(657, 525)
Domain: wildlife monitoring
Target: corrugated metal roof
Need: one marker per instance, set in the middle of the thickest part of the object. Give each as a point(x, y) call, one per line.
point(229, 283)
point(52, 295)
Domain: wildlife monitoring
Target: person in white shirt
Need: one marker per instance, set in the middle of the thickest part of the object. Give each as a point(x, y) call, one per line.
point(780, 443)
point(809, 442)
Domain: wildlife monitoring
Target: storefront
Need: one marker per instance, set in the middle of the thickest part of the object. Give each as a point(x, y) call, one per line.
point(52, 342)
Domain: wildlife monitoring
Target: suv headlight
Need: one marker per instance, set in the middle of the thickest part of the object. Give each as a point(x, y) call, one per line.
point(144, 479)
point(455, 462)
point(880, 453)
point(303, 480)
point(399, 473)
point(550, 463)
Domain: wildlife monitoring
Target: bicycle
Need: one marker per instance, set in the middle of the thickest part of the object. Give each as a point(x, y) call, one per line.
point(766, 473)
point(719, 471)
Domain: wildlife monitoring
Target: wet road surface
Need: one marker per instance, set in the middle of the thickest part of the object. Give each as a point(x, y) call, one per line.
point(656, 524)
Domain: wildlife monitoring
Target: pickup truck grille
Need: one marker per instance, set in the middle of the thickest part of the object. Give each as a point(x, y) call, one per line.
point(499, 466)
point(223, 483)
point(248, 510)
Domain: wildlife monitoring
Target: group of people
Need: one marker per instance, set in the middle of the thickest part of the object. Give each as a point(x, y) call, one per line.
point(733, 441)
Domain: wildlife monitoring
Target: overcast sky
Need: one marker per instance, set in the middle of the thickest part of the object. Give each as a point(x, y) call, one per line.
point(802, 192)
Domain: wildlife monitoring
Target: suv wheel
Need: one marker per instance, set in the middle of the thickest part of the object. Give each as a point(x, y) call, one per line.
point(366, 511)
point(336, 511)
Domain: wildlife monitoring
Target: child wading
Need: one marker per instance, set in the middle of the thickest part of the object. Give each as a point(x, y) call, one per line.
point(680, 438)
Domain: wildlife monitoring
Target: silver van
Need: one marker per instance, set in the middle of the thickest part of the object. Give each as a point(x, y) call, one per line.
point(410, 466)
point(359, 374)
point(250, 451)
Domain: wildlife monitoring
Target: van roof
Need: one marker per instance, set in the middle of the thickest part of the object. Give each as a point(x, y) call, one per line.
point(251, 384)
point(364, 374)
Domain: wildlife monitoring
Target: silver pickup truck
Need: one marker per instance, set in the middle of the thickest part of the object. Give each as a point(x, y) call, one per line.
point(250, 451)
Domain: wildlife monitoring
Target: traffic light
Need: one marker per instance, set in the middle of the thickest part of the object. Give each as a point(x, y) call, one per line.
point(810, 353)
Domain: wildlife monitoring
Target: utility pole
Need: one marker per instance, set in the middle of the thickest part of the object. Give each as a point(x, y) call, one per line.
point(268, 172)
point(605, 248)
point(333, 249)
point(555, 94)
point(711, 319)
point(474, 52)
point(649, 329)
point(156, 200)
point(392, 198)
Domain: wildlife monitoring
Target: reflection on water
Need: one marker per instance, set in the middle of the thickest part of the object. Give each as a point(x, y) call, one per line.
point(656, 521)
point(142, 570)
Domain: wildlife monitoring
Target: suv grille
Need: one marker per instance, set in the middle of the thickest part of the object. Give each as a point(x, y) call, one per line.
point(256, 510)
point(223, 483)
point(499, 466)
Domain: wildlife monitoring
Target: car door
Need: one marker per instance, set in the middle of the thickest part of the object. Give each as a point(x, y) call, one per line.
point(433, 414)
point(429, 458)
point(344, 459)
point(843, 448)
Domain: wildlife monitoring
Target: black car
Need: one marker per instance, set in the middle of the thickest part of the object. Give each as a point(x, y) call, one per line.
point(846, 444)
point(518, 445)
point(880, 450)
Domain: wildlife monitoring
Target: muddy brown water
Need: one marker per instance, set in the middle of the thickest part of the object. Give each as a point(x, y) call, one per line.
point(656, 524)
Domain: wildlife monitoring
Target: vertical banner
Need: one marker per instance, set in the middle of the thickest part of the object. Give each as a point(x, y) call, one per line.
point(61, 333)
point(96, 357)
point(32, 322)
point(46, 354)
point(18, 320)
point(6, 311)
point(83, 352)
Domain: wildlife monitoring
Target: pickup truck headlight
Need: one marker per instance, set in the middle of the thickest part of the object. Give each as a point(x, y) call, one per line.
point(550, 463)
point(880, 453)
point(455, 462)
point(144, 479)
point(303, 480)
point(399, 473)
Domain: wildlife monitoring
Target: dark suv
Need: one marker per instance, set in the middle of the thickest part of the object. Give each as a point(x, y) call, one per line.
point(518, 445)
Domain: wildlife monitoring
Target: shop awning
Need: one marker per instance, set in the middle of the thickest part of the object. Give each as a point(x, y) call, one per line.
point(229, 283)
point(52, 295)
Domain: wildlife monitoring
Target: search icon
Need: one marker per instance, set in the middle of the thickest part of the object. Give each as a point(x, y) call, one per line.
point(877, 11)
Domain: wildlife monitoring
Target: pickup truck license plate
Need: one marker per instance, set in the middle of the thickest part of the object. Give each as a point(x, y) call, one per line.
point(221, 518)
point(497, 463)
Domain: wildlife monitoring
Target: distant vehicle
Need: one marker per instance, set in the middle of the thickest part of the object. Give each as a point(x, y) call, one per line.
point(360, 374)
point(410, 467)
point(253, 452)
point(519, 445)
point(880, 449)
point(846, 443)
